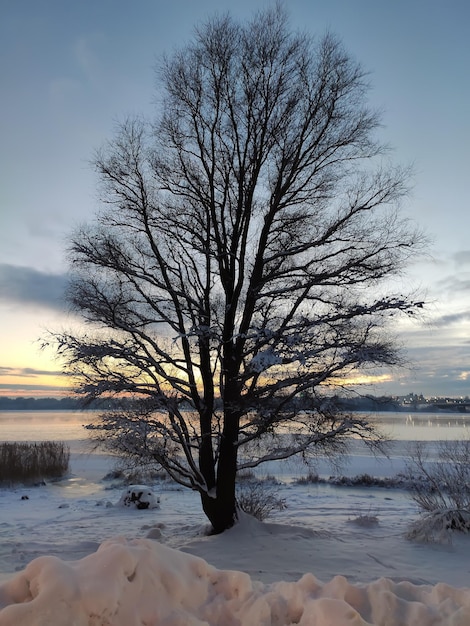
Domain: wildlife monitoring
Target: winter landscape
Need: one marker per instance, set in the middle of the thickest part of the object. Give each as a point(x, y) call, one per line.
point(72, 554)
point(246, 283)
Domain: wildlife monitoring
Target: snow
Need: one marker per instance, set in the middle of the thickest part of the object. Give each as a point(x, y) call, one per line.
point(136, 582)
point(264, 360)
point(70, 554)
point(140, 497)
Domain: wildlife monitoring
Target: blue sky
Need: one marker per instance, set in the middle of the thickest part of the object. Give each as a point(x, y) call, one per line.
point(70, 69)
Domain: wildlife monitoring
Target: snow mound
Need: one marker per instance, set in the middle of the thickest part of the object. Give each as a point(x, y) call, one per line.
point(140, 497)
point(131, 583)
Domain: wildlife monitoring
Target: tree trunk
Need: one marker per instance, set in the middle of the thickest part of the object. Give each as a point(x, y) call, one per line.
point(221, 509)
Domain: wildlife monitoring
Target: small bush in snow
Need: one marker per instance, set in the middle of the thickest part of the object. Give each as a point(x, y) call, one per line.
point(31, 462)
point(366, 520)
point(258, 500)
point(441, 489)
point(437, 526)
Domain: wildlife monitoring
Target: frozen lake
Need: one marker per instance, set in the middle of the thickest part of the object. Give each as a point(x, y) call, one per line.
point(402, 428)
point(68, 426)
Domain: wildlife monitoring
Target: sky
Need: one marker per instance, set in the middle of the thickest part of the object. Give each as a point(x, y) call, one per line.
point(70, 71)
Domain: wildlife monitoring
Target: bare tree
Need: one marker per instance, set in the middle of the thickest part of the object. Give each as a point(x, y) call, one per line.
point(237, 269)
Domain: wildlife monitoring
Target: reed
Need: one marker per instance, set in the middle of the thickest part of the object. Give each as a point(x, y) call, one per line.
point(31, 462)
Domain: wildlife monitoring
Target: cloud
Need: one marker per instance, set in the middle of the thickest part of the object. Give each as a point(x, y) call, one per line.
point(440, 368)
point(453, 284)
point(84, 55)
point(13, 389)
point(28, 372)
point(29, 381)
point(462, 257)
point(27, 286)
point(452, 318)
point(87, 51)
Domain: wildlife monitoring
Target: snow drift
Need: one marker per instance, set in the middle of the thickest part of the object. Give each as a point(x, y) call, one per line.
point(142, 582)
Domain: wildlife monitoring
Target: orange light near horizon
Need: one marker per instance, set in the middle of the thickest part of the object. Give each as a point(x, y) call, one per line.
point(25, 369)
point(364, 379)
point(28, 382)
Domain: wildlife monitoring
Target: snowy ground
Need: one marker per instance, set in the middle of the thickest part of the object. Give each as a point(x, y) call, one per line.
point(148, 574)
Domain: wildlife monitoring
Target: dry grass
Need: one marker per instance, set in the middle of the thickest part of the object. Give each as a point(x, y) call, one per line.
point(258, 499)
point(32, 462)
point(365, 520)
point(441, 489)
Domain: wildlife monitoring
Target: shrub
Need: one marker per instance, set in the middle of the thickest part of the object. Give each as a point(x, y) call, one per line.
point(31, 462)
point(365, 520)
point(257, 499)
point(310, 479)
point(437, 526)
point(441, 489)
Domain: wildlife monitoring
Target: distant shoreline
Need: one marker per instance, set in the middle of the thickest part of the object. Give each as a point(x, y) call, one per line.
point(367, 404)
